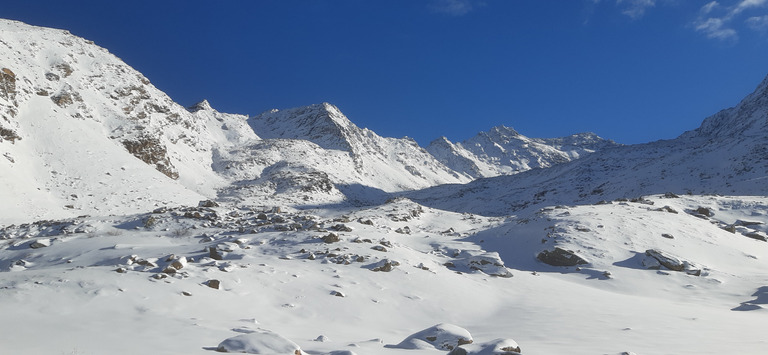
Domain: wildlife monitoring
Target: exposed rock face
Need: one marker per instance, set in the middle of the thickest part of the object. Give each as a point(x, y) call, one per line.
point(8, 109)
point(151, 151)
point(560, 257)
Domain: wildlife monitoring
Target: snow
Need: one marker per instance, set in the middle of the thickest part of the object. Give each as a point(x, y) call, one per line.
point(101, 252)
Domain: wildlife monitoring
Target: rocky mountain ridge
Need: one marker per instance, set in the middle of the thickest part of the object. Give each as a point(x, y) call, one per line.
point(726, 155)
point(65, 102)
point(504, 151)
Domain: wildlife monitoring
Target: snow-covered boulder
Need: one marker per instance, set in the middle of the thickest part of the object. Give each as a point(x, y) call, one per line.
point(264, 342)
point(442, 336)
point(672, 262)
point(495, 347)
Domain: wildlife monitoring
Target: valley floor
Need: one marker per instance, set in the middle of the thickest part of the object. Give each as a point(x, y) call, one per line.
point(360, 281)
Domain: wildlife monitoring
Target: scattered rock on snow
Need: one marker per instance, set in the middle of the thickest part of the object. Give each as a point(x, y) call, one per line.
point(331, 238)
point(756, 236)
point(214, 284)
point(40, 243)
point(666, 209)
point(207, 203)
point(385, 265)
point(561, 257)
point(703, 212)
point(342, 228)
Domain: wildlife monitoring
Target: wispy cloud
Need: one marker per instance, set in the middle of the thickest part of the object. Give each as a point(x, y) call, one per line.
point(758, 23)
point(717, 21)
point(454, 7)
point(635, 8)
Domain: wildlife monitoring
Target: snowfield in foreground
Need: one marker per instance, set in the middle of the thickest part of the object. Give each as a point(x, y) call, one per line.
point(381, 280)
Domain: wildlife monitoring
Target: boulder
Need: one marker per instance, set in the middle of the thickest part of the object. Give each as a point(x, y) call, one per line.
point(40, 243)
point(385, 265)
point(672, 262)
point(561, 257)
point(331, 238)
point(214, 284)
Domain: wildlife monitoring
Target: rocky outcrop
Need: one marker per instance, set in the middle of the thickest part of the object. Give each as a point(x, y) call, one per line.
point(151, 151)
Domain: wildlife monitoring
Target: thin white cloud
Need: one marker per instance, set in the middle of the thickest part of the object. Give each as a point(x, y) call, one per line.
point(706, 9)
point(758, 23)
point(746, 4)
point(452, 7)
point(716, 21)
point(716, 28)
point(635, 8)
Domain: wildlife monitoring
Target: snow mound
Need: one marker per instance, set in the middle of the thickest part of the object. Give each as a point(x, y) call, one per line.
point(442, 336)
point(264, 342)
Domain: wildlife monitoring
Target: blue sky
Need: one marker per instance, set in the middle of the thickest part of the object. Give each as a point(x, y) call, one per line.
point(630, 70)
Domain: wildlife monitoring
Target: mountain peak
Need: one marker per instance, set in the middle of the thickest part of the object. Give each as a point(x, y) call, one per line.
point(200, 106)
point(322, 124)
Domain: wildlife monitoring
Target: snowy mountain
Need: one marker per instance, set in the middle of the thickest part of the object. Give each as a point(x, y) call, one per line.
point(726, 155)
point(504, 151)
point(132, 224)
point(390, 164)
point(82, 132)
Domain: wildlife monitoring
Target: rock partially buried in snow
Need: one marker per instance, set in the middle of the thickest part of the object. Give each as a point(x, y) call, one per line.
point(264, 342)
point(495, 347)
point(385, 265)
point(214, 284)
point(442, 336)
point(671, 262)
point(40, 243)
point(561, 257)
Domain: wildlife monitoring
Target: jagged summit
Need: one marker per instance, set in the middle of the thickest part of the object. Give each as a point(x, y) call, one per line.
point(200, 106)
point(502, 151)
point(322, 124)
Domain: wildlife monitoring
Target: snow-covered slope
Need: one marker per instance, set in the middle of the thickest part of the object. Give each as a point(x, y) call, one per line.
point(504, 151)
point(81, 132)
point(398, 278)
point(726, 155)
